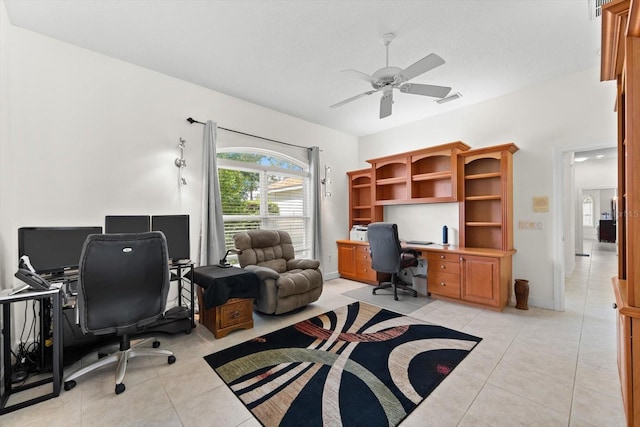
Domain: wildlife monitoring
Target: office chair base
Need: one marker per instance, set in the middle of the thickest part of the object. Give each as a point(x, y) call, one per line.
point(121, 358)
point(395, 286)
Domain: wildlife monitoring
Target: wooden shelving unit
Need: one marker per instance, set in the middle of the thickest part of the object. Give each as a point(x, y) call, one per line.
point(486, 209)
point(428, 175)
point(362, 210)
point(621, 62)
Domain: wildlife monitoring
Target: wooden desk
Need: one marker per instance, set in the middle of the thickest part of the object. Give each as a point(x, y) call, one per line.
point(474, 276)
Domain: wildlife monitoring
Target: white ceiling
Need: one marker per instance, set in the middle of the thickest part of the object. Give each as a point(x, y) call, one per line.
point(287, 55)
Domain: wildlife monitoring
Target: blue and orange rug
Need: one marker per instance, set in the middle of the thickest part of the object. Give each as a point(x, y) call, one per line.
point(358, 365)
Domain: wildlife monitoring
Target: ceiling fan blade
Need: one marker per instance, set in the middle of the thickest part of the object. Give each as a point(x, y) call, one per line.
point(385, 104)
point(425, 90)
point(353, 98)
point(360, 75)
point(427, 63)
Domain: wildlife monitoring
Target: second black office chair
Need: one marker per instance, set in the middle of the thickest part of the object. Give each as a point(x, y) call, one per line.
point(387, 256)
point(123, 282)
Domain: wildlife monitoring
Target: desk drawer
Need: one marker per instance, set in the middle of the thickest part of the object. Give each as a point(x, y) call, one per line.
point(234, 311)
point(362, 252)
point(444, 267)
point(435, 257)
point(445, 284)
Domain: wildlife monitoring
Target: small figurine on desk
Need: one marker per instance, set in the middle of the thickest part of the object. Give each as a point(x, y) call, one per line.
point(223, 262)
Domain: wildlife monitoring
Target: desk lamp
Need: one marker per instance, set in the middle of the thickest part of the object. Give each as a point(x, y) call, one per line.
point(223, 262)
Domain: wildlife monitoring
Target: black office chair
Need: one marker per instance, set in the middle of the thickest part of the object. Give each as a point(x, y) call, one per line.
point(388, 257)
point(123, 282)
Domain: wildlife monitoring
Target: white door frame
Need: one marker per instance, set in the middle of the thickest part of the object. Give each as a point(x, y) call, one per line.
point(558, 220)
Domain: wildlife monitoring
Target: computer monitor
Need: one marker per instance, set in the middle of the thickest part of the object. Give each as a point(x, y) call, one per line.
point(53, 249)
point(176, 230)
point(127, 224)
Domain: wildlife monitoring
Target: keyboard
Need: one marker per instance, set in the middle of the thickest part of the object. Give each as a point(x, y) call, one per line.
point(418, 242)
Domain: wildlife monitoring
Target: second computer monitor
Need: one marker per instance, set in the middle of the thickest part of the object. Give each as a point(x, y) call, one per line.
point(127, 224)
point(176, 230)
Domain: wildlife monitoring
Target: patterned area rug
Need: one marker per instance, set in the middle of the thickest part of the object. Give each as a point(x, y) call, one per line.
point(359, 365)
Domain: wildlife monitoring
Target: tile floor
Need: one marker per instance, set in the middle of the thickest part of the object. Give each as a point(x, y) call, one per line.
point(533, 368)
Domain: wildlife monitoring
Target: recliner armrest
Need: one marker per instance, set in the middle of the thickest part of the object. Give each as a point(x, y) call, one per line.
point(302, 264)
point(263, 273)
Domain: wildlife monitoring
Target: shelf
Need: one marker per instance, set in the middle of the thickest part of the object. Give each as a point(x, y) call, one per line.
point(488, 197)
point(361, 186)
point(363, 207)
point(482, 224)
point(362, 219)
point(431, 176)
point(392, 181)
point(483, 175)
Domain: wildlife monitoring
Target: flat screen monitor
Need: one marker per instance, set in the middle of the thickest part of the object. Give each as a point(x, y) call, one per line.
point(127, 224)
point(53, 249)
point(176, 230)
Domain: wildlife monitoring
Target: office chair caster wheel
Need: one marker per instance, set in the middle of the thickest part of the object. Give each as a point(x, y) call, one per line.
point(171, 359)
point(69, 385)
point(156, 344)
point(101, 355)
point(373, 291)
point(120, 388)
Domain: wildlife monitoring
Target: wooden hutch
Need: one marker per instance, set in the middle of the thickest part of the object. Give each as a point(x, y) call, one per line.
point(621, 62)
point(478, 271)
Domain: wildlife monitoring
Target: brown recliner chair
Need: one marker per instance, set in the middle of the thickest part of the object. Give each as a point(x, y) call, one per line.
point(287, 283)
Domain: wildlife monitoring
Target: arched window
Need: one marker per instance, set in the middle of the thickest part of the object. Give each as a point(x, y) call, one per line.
point(262, 189)
point(587, 211)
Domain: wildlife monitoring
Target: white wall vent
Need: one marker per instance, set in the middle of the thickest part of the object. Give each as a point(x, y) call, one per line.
point(595, 8)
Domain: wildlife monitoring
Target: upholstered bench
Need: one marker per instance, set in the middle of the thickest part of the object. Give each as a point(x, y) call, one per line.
point(225, 298)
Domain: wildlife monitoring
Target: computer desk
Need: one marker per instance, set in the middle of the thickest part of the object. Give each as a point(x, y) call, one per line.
point(6, 300)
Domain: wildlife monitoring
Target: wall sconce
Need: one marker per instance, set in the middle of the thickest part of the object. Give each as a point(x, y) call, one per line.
point(181, 163)
point(326, 182)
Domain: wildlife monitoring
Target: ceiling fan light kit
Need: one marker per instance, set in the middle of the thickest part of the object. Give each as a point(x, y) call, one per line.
point(453, 97)
point(388, 78)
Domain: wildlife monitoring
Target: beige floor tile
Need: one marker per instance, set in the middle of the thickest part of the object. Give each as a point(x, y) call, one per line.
point(217, 407)
point(602, 380)
point(497, 407)
point(518, 377)
point(597, 408)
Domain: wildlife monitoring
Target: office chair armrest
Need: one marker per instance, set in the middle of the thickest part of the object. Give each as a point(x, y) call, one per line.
point(302, 264)
point(263, 273)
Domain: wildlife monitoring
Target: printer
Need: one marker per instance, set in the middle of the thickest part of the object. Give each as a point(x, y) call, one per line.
point(358, 232)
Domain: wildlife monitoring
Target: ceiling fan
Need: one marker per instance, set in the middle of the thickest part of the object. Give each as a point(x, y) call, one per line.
point(388, 78)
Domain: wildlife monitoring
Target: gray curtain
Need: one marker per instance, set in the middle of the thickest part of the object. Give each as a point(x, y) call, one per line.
point(212, 245)
point(316, 202)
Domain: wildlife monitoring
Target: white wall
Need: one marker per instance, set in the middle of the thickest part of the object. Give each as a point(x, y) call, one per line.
point(84, 135)
point(575, 109)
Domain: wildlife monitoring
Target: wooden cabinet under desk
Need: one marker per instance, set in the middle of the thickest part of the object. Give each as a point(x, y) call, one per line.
point(354, 262)
point(476, 276)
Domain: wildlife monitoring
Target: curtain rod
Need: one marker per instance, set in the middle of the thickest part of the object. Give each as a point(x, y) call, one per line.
point(192, 121)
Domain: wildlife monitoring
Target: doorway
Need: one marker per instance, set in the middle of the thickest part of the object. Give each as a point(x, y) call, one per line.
point(586, 168)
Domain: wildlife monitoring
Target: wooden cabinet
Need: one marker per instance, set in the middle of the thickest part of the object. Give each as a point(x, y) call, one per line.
point(354, 261)
point(443, 274)
point(362, 210)
point(428, 175)
point(480, 277)
point(486, 209)
point(620, 56)
point(236, 313)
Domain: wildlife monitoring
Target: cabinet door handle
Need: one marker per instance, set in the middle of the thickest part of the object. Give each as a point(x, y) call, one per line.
point(441, 256)
point(235, 314)
point(442, 266)
point(614, 306)
point(443, 284)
